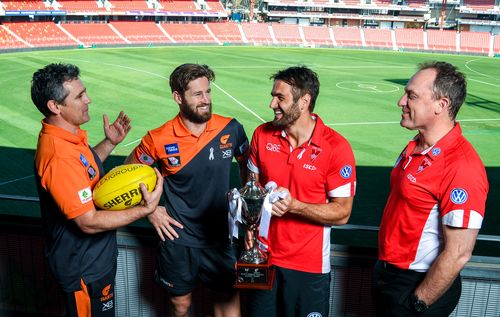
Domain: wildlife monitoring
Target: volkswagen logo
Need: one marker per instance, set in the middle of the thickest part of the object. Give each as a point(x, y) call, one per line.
point(458, 196)
point(346, 171)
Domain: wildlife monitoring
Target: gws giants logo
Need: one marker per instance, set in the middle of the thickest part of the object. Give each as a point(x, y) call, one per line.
point(273, 147)
point(458, 196)
point(107, 298)
point(223, 142)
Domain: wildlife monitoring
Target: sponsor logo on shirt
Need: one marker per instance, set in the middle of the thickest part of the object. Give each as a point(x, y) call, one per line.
point(346, 171)
point(458, 196)
point(174, 161)
point(309, 167)
point(227, 154)
point(244, 147)
point(107, 306)
point(85, 195)
point(92, 172)
point(171, 148)
point(273, 147)
point(436, 151)
point(412, 178)
point(146, 159)
point(84, 161)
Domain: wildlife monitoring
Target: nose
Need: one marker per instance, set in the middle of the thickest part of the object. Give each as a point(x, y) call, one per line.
point(403, 100)
point(274, 103)
point(87, 99)
point(206, 98)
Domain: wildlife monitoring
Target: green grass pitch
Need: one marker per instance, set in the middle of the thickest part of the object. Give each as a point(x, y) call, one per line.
point(358, 97)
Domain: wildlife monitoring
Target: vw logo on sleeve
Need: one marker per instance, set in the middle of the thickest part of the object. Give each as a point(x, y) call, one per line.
point(346, 171)
point(458, 196)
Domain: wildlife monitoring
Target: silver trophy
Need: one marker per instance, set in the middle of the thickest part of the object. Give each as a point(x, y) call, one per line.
point(253, 196)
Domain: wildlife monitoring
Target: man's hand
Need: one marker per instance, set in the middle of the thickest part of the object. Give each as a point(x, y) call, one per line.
point(117, 131)
point(150, 200)
point(282, 205)
point(163, 223)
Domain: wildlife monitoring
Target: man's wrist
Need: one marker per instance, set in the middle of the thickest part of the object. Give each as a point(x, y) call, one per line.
point(417, 304)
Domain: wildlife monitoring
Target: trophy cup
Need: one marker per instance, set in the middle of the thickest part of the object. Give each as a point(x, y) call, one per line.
point(253, 269)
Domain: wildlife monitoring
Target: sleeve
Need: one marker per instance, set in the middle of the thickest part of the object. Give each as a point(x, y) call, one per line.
point(242, 146)
point(341, 177)
point(253, 159)
point(145, 152)
point(463, 196)
point(68, 184)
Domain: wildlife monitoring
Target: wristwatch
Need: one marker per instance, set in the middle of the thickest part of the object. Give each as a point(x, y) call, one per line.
point(418, 305)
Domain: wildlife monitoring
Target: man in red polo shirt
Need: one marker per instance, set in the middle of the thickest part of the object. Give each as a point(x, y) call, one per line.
point(315, 166)
point(436, 203)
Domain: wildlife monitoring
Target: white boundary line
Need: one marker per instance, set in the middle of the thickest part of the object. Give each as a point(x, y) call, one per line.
point(15, 180)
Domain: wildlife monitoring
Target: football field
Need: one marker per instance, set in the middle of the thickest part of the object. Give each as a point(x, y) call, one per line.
point(358, 97)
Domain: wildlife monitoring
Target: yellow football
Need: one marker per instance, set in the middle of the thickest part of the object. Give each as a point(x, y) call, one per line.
point(119, 189)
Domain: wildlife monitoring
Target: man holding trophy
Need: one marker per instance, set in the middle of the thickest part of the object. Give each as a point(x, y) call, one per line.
point(314, 169)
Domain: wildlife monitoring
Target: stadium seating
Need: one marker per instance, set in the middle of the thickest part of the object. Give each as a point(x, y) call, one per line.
point(186, 5)
point(41, 34)
point(347, 36)
point(79, 6)
point(188, 33)
point(257, 33)
point(128, 5)
point(226, 32)
point(25, 5)
point(7, 40)
point(287, 34)
point(93, 33)
point(496, 45)
point(442, 40)
point(410, 39)
point(378, 38)
point(141, 32)
point(475, 42)
point(316, 36)
point(479, 5)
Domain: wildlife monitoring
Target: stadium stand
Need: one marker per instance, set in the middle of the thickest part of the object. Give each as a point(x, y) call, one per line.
point(93, 33)
point(257, 33)
point(141, 32)
point(347, 36)
point(317, 36)
point(26, 5)
point(79, 6)
point(286, 34)
point(226, 32)
point(7, 40)
point(479, 5)
point(128, 5)
point(496, 45)
point(442, 40)
point(186, 5)
point(378, 38)
point(475, 42)
point(41, 34)
point(188, 33)
point(410, 39)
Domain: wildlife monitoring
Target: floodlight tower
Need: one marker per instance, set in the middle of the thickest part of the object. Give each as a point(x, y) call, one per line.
point(443, 14)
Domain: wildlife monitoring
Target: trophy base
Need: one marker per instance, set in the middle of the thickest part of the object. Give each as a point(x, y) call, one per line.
point(254, 276)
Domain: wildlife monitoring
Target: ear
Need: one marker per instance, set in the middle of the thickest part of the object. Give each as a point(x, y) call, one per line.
point(177, 97)
point(54, 107)
point(305, 101)
point(442, 105)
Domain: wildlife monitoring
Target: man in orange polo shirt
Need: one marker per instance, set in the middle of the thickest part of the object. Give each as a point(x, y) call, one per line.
point(81, 241)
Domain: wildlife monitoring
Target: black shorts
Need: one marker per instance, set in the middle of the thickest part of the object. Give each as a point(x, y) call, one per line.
point(392, 289)
point(180, 268)
point(96, 299)
point(294, 293)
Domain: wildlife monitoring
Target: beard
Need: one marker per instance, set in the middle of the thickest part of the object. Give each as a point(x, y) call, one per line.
point(288, 117)
point(190, 113)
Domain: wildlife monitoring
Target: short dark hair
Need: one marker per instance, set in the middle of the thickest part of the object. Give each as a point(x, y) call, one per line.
point(449, 83)
point(185, 73)
point(303, 81)
point(48, 84)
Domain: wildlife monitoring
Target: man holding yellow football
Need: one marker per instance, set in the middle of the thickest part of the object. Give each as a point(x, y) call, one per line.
point(80, 240)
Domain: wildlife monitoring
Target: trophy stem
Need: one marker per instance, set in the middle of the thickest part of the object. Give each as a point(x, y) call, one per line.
point(254, 255)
